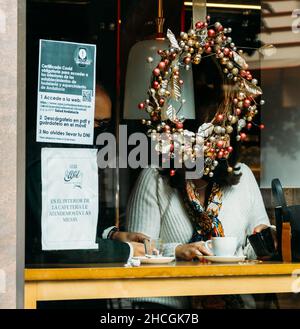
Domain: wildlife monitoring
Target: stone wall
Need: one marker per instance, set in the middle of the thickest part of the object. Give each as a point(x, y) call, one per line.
point(11, 151)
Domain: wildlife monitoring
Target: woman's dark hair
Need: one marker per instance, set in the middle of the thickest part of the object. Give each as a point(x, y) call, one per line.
point(213, 93)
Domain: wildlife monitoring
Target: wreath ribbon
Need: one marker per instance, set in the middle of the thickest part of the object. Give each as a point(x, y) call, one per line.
point(199, 11)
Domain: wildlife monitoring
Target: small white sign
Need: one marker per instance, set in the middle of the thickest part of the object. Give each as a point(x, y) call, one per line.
point(69, 198)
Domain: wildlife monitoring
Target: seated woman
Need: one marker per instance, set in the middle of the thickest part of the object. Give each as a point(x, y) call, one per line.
point(185, 213)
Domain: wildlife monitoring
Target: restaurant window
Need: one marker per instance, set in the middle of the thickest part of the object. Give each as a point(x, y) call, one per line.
point(117, 37)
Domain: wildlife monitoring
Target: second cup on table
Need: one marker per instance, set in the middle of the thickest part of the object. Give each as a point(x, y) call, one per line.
point(154, 247)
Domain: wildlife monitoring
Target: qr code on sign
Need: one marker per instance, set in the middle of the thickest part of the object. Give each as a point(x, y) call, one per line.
point(87, 95)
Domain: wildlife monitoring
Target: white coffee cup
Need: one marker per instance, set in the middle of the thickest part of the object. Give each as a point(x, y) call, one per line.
point(222, 246)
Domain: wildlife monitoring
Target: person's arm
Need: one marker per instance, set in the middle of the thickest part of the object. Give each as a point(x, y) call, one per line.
point(113, 233)
point(143, 212)
point(256, 213)
point(108, 252)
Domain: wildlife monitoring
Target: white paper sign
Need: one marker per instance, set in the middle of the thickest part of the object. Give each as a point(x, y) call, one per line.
point(66, 92)
point(69, 198)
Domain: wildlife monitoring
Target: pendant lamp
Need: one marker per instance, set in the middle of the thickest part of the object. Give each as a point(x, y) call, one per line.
point(142, 60)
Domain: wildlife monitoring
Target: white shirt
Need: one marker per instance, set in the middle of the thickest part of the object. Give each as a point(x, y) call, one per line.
point(157, 210)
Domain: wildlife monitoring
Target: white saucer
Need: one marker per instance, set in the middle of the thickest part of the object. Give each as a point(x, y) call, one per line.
point(225, 259)
point(155, 260)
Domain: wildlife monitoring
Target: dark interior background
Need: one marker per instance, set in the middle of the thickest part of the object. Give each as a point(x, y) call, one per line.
point(96, 21)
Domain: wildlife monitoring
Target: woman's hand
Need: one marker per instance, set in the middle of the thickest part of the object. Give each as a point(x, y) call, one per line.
point(260, 228)
point(129, 237)
point(192, 250)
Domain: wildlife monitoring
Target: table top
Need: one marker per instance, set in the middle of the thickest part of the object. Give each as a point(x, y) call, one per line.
point(172, 270)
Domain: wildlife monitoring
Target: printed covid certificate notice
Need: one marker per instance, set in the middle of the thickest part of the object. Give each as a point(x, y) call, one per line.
point(66, 92)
